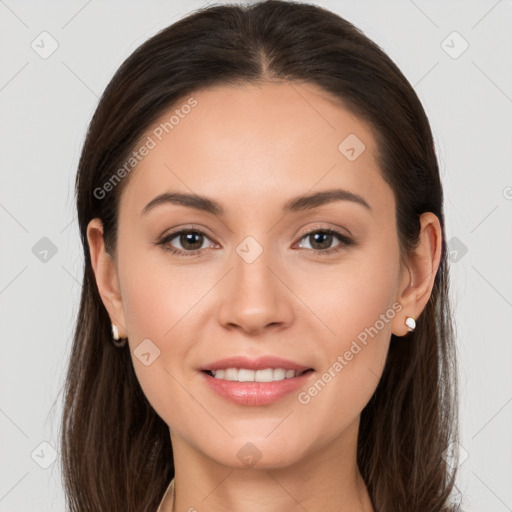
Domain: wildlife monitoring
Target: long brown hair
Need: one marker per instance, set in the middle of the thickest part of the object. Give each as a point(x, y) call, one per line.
point(116, 451)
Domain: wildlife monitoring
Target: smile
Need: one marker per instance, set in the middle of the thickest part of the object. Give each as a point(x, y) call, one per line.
point(261, 387)
point(246, 375)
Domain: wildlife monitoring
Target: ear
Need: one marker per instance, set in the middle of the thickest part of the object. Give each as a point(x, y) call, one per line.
point(105, 273)
point(419, 273)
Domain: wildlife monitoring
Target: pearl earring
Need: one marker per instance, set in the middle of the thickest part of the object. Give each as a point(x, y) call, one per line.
point(116, 337)
point(411, 323)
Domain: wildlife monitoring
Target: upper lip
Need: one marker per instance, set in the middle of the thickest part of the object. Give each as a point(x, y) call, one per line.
point(259, 363)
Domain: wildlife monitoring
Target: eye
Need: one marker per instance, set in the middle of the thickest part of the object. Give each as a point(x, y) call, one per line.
point(321, 240)
point(191, 241)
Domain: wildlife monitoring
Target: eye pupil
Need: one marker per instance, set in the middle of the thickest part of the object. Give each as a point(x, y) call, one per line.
point(188, 239)
point(325, 236)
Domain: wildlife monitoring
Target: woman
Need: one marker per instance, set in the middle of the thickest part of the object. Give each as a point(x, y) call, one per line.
point(264, 321)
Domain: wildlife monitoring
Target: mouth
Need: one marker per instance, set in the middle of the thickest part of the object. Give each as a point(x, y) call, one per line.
point(256, 381)
point(262, 390)
point(262, 375)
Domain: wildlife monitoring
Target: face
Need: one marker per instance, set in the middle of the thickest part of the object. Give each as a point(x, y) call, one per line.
point(315, 284)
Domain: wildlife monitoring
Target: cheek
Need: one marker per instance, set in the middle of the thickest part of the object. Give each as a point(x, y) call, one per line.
point(160, 304)
point(352, 296)
point(362, 300)
point(155, 294)
point(358, 311)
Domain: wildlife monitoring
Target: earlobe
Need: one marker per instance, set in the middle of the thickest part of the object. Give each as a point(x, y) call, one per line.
point(105, 274)
point(422, 266)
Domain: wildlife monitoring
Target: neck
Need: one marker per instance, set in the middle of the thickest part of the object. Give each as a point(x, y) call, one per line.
point(327, 479)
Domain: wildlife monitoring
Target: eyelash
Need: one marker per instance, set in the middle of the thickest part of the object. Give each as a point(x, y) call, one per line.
point(165, 242)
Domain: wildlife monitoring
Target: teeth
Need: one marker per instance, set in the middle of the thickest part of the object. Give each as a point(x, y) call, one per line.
point(245, 375)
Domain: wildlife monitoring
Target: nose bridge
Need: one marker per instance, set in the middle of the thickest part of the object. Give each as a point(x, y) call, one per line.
point(251, 273)
point(254, 297)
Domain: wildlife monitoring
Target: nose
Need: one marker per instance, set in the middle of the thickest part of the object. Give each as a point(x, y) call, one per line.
point(254, 296)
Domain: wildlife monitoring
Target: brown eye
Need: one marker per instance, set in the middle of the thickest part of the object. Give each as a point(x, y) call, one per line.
point(321, 241)
point(191, 242)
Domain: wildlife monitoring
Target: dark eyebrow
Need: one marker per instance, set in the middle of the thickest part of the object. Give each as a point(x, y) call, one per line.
point(294, 205)
point(321, 198)
point(189, 200)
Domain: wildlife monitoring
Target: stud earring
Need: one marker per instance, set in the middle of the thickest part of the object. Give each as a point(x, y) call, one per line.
point(411, 323)
point(117, 341)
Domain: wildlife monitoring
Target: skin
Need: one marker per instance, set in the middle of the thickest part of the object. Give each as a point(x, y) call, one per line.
point(240, 145)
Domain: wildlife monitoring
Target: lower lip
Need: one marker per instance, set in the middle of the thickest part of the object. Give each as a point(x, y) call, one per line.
point(255, 393)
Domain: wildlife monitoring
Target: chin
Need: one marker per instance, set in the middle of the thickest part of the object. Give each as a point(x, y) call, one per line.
point(256, 453)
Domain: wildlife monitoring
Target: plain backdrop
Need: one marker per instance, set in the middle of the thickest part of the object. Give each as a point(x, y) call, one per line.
point(457, 55)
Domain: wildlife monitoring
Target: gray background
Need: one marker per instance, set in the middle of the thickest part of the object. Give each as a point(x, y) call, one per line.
point(46, 104)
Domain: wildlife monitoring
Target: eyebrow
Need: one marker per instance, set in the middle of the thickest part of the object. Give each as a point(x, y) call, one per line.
point(293, 205)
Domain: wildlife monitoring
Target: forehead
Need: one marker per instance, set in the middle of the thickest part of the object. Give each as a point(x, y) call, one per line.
point(240, 144)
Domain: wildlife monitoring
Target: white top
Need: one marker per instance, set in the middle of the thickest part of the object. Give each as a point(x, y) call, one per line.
point(168, 498)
